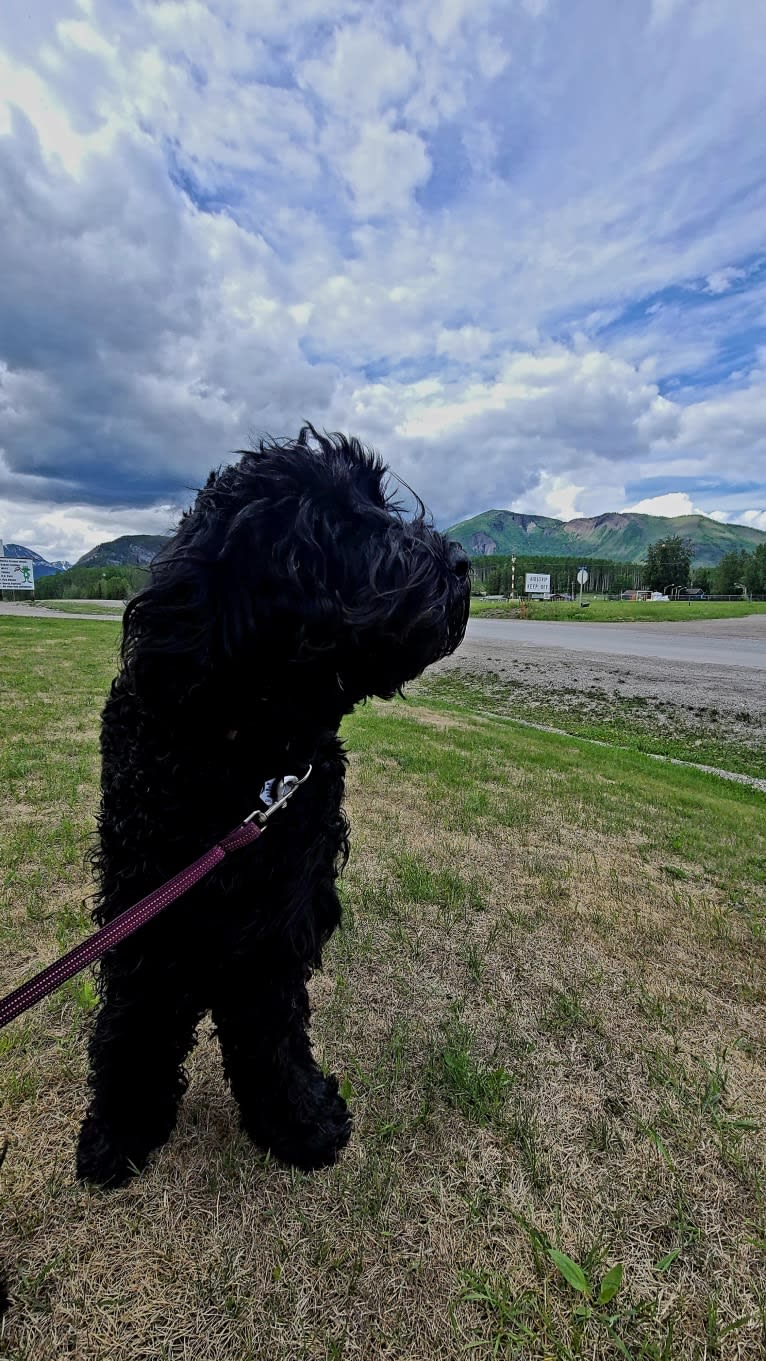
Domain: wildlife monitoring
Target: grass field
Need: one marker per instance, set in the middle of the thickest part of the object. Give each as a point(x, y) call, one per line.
point(547, 1006)
point(618, 611)
point(703, 735)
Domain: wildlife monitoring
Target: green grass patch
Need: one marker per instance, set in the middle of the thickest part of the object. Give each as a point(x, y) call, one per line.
point(617, 611)
point(54, 677)
point(715, 827)
point(706, 737)
point(474, 1087)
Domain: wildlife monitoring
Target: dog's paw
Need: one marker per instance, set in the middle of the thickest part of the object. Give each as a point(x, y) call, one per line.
point(101, 1160)
point(311, 1131)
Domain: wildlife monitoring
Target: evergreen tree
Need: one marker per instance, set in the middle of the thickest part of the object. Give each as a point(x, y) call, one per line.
point(731, 571)
point(703, 578)
point(668, 563)
point(755, 571)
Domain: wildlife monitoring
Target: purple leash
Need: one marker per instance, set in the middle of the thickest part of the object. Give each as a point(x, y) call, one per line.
point(25, 996)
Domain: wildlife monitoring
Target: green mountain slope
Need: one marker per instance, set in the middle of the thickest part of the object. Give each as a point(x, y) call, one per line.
point(621, 537)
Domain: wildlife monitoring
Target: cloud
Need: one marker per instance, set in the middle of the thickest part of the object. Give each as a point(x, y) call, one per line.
point(383, 168)
point(518, 251)
point(756, 519)
point(681, 503)
point(722, 279)
point(364, 73)
point(59, 532)
point(671, 503)
point(556, 497)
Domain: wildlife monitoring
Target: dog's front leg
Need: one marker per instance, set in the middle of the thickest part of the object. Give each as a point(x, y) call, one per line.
point(287, 1104)
point(141, 1037)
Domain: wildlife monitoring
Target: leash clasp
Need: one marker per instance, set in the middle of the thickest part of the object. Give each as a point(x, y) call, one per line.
point(275, 794)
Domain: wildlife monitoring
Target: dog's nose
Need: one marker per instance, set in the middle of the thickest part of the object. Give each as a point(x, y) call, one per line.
point(460, 561)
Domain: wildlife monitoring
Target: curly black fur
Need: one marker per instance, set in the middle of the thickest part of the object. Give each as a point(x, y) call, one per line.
point(294, 588)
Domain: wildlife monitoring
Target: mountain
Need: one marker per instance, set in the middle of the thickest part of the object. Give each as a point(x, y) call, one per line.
point(43, 568)
point(623, 537)
point(131, 550)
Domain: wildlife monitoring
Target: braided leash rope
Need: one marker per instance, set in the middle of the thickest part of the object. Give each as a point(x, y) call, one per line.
point(88, 951)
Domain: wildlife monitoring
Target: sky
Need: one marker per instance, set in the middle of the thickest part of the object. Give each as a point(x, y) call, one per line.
point(518, 246)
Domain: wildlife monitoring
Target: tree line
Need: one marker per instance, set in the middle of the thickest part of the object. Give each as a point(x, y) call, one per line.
point(737, 569)
point(92, 583)
point(494, 573)
point(668, 565)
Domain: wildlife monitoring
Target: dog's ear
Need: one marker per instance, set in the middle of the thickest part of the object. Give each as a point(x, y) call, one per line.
point(278, 579)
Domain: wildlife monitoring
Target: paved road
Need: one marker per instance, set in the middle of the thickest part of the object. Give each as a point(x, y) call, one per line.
point(716, 642)
point(14, 607)
point(711, 642)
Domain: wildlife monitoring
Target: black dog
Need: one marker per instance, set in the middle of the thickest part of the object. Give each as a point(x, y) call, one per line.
point(292, 590)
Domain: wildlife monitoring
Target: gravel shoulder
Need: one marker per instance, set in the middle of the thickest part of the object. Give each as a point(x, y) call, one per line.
point(710, 714)
point(735, 696)
point(112, 609)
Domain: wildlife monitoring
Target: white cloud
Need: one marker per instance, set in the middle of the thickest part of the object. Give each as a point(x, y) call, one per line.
point(722, 279)
point(466, 344)
point(64, 533)
point(557, 497)
point(521, 253)
point(365, 73)
point(445, 18)
point(384, 167)
point(681, 503)
point(671, 504)
point(756, 519)
point(81, 34)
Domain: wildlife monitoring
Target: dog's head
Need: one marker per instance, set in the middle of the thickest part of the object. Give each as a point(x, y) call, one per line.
point(308, 573)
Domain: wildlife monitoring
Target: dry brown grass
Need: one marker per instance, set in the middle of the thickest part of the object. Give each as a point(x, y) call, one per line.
point(622, 1010)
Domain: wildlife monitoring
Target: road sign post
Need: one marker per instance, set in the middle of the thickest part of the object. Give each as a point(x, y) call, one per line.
point(582, 577)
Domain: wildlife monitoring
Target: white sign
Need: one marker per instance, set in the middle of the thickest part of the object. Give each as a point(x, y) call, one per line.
point(537, 583)
point(582, 577)
point(17, 574)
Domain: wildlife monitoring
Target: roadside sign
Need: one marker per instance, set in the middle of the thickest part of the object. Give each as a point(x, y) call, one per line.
point(582, 577)
point(537, 583)
point(17, 574)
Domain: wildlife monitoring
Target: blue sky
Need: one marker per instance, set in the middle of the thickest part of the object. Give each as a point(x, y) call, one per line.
point(518, 247)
